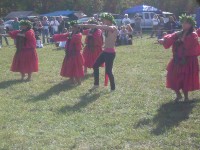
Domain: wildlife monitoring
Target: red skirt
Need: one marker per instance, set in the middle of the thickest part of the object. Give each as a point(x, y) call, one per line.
point(91, 56)
point(25, 61)
point(73, 66)
point(183, 77)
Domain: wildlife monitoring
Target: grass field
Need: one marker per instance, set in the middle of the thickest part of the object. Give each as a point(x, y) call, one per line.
point(47, 113)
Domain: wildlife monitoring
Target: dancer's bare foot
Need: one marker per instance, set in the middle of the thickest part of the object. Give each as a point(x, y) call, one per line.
point(22, 77)
point(28, 79)
point(94, 88)
point(186, 99)
point(178, 98)
point(72, 82)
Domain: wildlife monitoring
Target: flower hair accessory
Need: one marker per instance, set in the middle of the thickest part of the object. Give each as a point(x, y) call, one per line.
point(73, 23)
point(25, 23)
point(92, 21)
point(189, 19)
point(108, 16)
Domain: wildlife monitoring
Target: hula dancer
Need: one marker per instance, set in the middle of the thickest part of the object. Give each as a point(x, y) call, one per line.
point(73, 62)
point(94, 44)
point(183, 69)
point(108, 54)
point(25, 59)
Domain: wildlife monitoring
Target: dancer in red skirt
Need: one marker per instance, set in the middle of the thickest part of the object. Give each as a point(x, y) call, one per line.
point(183, 69)
point(94, 44)
point(73, 62)
point(25, 59)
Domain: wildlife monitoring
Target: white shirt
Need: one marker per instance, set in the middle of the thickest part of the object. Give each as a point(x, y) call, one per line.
point(155, 22)
point(126, 21)
point(55, 24)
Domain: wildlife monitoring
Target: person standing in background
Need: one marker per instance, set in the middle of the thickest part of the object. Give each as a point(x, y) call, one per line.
point(155, 25)
point(45, 29)
point(61, 26)
point(15, 24)
point(171, 25)
point(2, 31)
point(54, 24)
point(138, 28)
point(161, 27)
point(126, 20)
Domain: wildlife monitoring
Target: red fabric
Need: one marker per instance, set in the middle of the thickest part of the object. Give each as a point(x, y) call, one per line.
point(26, 60)
point(183, 76)
point(91, 56)
point(13, 34)
point(73, 63)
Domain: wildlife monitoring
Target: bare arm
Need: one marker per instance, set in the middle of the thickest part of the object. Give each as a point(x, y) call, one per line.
point(7, 35)
point(102, 27)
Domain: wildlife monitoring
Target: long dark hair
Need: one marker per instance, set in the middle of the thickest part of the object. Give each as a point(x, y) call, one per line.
point(21, 41)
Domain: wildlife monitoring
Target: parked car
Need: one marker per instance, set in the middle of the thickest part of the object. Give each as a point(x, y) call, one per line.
point(83, 20)
point(118, 19)
point(8, 25)
point(147, 19)
point(166, 16)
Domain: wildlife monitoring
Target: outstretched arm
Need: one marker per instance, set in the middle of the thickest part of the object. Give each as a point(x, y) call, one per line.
point(4, 35)
point(102, 27)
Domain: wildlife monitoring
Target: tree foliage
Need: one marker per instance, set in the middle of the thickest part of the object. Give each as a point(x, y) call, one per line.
point(94, 6)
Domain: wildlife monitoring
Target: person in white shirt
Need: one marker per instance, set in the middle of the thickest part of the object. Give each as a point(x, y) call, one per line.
point(54, 25)
point(126, 20)
point(155, 25)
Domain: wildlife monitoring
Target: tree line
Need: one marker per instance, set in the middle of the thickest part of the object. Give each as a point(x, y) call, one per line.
point(94, 6)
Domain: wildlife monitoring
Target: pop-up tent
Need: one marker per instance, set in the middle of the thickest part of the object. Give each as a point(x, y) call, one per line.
point(20, 14)
point(59, 13)
point(69, 13)
point(142, 8)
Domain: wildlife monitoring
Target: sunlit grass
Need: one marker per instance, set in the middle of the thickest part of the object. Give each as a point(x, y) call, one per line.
point(47, 113)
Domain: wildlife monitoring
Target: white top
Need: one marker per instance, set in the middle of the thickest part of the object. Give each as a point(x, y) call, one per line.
point(126, 21)
point(155, 21)
point(55, 24)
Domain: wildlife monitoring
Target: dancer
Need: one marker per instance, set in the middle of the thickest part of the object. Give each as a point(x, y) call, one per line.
point(183, 69)
point(93, 47)
point(73, 62)
point(108, 54)
point(25, 59)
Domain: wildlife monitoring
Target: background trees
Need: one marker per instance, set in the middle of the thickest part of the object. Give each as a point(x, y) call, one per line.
point(94, 6)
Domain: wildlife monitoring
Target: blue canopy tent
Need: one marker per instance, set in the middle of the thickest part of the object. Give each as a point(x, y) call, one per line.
point(142, 8)
point(198, 17)
point(59, 13)
point(73, 15)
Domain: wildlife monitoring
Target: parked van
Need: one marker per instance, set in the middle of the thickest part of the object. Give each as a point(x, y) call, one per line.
point(147, 19)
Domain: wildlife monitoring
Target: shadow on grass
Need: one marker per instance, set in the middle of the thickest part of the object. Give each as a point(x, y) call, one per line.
point(85, 100)
point(6, 84)
point(169, 115)
point(55, 90)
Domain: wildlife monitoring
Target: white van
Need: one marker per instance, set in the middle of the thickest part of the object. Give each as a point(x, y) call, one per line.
point(147, 19)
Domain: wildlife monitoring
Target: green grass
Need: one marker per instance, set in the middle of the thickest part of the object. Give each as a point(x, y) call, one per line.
point(47, 113)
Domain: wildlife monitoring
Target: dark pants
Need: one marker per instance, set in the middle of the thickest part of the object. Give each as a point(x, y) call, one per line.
point(1, 40)
point(108, 58)
point(45, 35)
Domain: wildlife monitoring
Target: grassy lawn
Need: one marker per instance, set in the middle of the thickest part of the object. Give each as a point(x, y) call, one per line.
point(47, 113)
